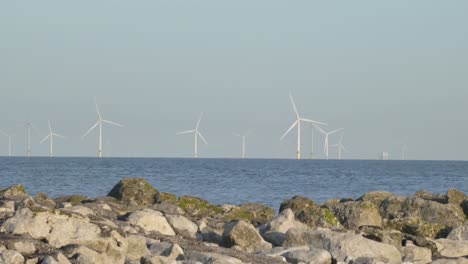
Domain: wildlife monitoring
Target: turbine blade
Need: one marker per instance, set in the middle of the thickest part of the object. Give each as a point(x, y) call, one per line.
point(97, 108)
point(314, 122)
point(334, 131)
point(93, 127)
point(112, 123)
point(199, 120)
point(236, 134)
point(202, 137)
point(50, 127)
point(185, 132)
point(320, 130)
point(42, 141)
point(293, 104)
point(289, 130)
point(58, 135)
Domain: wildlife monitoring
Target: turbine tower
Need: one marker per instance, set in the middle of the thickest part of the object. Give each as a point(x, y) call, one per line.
point(325, 145)
point(30, 127)
point(298, 124)
point(9, 141)
point(99, 123)
point(243, 141)
point(340, 146)
point(51, 136)
point(196, 134)
point(404, 148)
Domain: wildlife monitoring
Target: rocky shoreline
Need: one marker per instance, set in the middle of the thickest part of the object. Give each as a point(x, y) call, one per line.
point(135, 223)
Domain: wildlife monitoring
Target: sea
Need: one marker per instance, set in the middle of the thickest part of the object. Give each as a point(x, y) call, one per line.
point(235, 181)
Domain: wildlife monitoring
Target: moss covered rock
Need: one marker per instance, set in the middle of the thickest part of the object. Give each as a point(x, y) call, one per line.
point(353, 215)
point(455, 196)
point(311, 214)
point(167, 197)
point(197, 207)
point(73, 199)
point(13, 192)
point(135, 192)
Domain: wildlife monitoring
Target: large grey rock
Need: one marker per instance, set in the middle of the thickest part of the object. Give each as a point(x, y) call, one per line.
point(183, 226)
point(312, 256)
point(57, 258)
point(135, 192)
point(211, 230)
point(210, 258)
point(168, 208)
point(353, 215)
point(310, 213)
point(243, 234)
point(275, 231)
point(83, 255)
point(343, 245)
point(451, 261)
point(136, 248)
point(416, 255)
point(150, 221)
point(59, 230)
point(259, 214)
point(11, 257)
point(451, 248)
point(15, 192)
point(435, 197)
point(459, 233)
point(455, 196)
point(376, 197)
point(7, 207)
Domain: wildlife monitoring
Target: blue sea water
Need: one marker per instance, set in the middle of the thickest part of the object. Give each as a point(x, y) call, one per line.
point(235, 181)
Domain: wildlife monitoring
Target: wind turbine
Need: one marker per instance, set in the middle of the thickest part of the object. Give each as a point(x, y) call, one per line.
point(340, 146)
point(50, 136)
point(99, 123)
point(325, 145)
point(298, 124)
point(30, 126)
point(196, 134)
point(404, 148)
point(9, 141)
point(243, 141)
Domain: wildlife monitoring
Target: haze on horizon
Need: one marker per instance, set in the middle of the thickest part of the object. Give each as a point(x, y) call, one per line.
point(390, 73)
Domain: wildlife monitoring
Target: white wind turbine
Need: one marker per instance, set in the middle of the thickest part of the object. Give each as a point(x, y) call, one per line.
point(30, 127)
point(325, 145)
point(99, 123)
point(244, 136)
point(196, 134)
point(51, 136)
point(298, 124)
point(340, 146)
point(9, 141)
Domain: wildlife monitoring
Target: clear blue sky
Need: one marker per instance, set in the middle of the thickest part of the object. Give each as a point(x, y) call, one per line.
point(389, 72)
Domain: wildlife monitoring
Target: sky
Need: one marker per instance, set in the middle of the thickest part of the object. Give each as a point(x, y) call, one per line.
point(389, 72)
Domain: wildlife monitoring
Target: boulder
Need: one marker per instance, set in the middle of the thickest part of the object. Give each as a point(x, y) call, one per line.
point(451, 248)
point(7, 207)
point(168, 208)
point(275, 231)
point(464, 206)
point(243, 234)
point(376, 197)
point(455, 196)
point(167, 197)
point(73, 199)
point(79, 209)
point(416, 255)
point(429, 196)
point(44, 200)
point(136, 248)
point(149, 220)
point(183, 226)
point(451, 261)
point(211, 230)
point(11, 257)
point(160, 249)
point(135, 192)
point(78, 254)
point(15, 192)
point(198, 208)
point(352, 215)
point(312, 256)
point(212, 258)
point(259, 213)
point(57, 258)
point(459, 233)
point(343, 245)
point(308, 212)
point(387, 236)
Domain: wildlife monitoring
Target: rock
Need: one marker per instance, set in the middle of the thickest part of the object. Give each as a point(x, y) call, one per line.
point(451, 248)
point(135, 192)
point(416, 255)
point(168, 208)
point(455, 196)
point(426, 195)
point(58, 258)
point(174, 252)
point(78, 209)
point(211, 229)
point(243, 234)
point(83, 255)
point(375, 198)
point(312, 256)
point(11, 257)
point(60, 230)
point(7, 207)
point(44, 200)
point(32, 261)
point(459, 233)
point(25, 248)
point(451, 261)
point(343, 245)
point(167, 197)
point(352, 215)
point(73, 199)
point(157, 260)
point(387, 236)
point(136, 248)
point(151, 221)
point(183, 226)
point(464, 206)
point(275, 231)
point(197, 207)
point(211, 258)
point(259, 214)
point(158, 249)
point(308, 212)
point(103, 210)
point(15, 192)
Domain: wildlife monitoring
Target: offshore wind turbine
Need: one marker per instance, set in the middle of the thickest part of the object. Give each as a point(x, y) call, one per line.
point(99, 123)
point(196, 133)
point(9, 141)
point(29, 126)
point(51, 136)
point(340, 146)
point(325, 145)
point(243, 141)
point(298, 124)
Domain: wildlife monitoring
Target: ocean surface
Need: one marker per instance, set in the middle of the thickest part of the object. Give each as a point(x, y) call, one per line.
point(235, 181)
